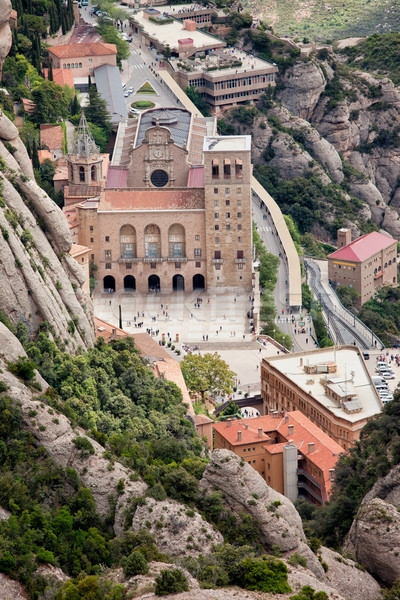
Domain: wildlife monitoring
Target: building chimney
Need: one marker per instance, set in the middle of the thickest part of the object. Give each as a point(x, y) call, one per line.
point(114, 332)
point(343, 237)
point(310, 447)
point(290, 429)
point(286, 418)
point(245, 425)
point(229, 422)
point(260, 432)
point(331, 474)
point(239, 436)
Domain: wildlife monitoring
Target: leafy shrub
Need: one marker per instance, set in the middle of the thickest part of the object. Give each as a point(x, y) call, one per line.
point(298, 559)
point(135, 564)
point(84, 445)
point(263, 574)
point(24, 368)
point(308, 593)
point(171, 581)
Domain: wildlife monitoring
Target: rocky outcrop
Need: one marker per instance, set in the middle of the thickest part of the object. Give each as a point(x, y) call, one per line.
point(54, 432)
point(350, 580)
point(10, 589)
point(302, 86)
point(244, 490)
point(39, 282)
point(178, 530)
point(374, 539)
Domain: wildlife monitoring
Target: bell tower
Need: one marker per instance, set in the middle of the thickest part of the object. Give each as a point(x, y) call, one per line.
point(85, 164)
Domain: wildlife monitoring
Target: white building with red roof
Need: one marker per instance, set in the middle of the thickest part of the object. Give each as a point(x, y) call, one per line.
point(82, 59)
point(366, 264)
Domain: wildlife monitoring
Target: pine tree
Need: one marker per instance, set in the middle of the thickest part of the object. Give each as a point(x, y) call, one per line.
point(35, 156)
point(97, 112)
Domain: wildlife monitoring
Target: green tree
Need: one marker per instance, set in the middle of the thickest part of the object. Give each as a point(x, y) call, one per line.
point(308, 593)
point(348, 296)
point(50, 103)
point(97, 112)
point(194, 95)
point(207, 373)
point(135, 564)
point(171, 581)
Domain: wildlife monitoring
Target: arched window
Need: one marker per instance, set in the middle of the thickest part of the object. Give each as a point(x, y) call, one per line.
point(127, 241)
point(93, 172)
point(152, 242)
point(81, 174)
point(176, 241)
point(68, 66)
point(227, 168)
point(215, 169)
point(238, 168)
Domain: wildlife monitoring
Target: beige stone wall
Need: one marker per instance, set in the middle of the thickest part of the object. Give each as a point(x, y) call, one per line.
point(228, 221)
point(74, 165)
point(158, 152)
point(89, 63)
point(106, 232)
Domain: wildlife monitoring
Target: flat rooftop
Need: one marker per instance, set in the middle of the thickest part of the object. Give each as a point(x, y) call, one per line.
point(226, 61)
point(227, 143)
point(170, 33)
point(350, 368)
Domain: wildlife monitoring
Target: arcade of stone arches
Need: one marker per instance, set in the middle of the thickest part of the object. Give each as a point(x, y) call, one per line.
point(154, 283)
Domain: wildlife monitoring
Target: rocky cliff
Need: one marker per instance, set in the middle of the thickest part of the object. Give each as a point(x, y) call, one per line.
point(358, 115)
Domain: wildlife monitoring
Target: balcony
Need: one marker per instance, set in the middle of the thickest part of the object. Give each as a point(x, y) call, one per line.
point(128, 259)
point(240, 261)
point(177, 259)
point(217, 261)
point(310, 490)
point(152, 259)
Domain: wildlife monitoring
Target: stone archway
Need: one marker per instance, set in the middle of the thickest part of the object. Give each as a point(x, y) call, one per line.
point(178, 283)
point(154, 283)
point(109, 283)
point(129, 283)
point(198, 282)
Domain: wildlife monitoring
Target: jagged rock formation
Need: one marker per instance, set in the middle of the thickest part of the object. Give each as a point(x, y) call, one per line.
point(40, 281)
point(245, 490)
point(362, 127)
point(374, 537)
point(55, 433)
point(178, 530)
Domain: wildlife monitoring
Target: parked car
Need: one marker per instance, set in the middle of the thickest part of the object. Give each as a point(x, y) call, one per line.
point(126, 94)
point(388, 375)
point(123, 86)
point(365, 355)
point(134, 111)
point(130, 91)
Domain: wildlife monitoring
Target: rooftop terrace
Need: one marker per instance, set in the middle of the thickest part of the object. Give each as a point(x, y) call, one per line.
point(227, 61)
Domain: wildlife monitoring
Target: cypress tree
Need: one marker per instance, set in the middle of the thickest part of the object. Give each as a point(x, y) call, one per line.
point(50, 77)
point(35, 155)
point(28, 148)
point(63, 24)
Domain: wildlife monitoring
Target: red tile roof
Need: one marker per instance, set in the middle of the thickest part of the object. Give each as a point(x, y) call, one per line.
point(152, 199)
point(78, 250)
point(51, 136)
point(43, 154)
point(82, 50)
point(117, 177)
point(363, 247)
point(324, 454)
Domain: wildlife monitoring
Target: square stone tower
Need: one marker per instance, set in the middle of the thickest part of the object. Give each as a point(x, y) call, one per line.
point(228, 220)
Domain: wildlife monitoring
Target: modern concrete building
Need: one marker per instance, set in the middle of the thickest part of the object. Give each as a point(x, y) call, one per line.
point(366, 264)
point(83, 58)
point(292, 454)
point(331, 386)
point(175, 213)
point(226, 78)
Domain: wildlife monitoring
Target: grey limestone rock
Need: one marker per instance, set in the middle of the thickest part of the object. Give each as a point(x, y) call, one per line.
point(303, 85)
point(246, 491)
point(178, 530)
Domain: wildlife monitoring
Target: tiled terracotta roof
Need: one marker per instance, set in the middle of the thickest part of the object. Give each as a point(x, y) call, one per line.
point(51, 136)
point(43, 154)
point(81, 50)
point(363, 247)
point(61, 173)
point(107, 331)
point(324, 454)
point(152, 199)
point(78, 250)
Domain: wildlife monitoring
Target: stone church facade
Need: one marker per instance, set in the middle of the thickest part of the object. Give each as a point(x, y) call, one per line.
point(175, 211)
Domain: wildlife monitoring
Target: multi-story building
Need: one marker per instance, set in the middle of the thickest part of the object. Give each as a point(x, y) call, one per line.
point(225, 77)
point(292, 454)
point(83, 58)
point(366, 264)
point(175, 212)
point(331, 386)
